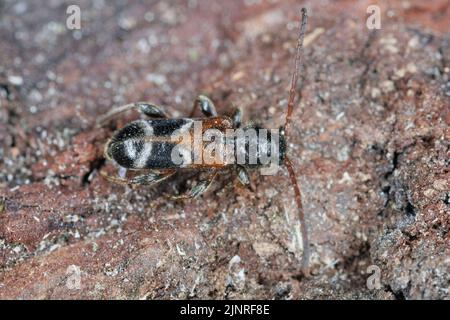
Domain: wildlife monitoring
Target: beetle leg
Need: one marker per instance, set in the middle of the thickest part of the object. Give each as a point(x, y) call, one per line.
point(198, 189)
point(145, 179)
point(237, 117)
point(205, 105)
point(149, 109)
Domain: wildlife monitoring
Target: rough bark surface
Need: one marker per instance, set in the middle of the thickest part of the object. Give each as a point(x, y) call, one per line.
point(370, 144)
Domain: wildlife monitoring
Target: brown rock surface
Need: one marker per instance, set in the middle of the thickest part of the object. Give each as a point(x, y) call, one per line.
point(371, 146)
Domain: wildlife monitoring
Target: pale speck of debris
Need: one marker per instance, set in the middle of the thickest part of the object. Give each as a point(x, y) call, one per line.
point(17, 249)
point(180, 251)
point(234, 260)
point(387, 86)
point(127, 23)
point(157, 79)
point(20, 7)
point(343, 154)
point(345, 178)
point(310, 37)
point(15, 80)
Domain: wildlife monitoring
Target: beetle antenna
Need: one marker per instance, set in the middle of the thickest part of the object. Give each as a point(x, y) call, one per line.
point(297, 66)
point(301, 216)
point(288, 163)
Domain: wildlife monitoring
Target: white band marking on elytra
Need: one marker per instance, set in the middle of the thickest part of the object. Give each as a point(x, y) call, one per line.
point(146, 151)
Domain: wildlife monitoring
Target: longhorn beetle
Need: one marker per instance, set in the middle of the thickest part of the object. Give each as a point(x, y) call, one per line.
point(148, 144)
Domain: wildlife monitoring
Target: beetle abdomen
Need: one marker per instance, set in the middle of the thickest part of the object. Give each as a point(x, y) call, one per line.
point(146, 144)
